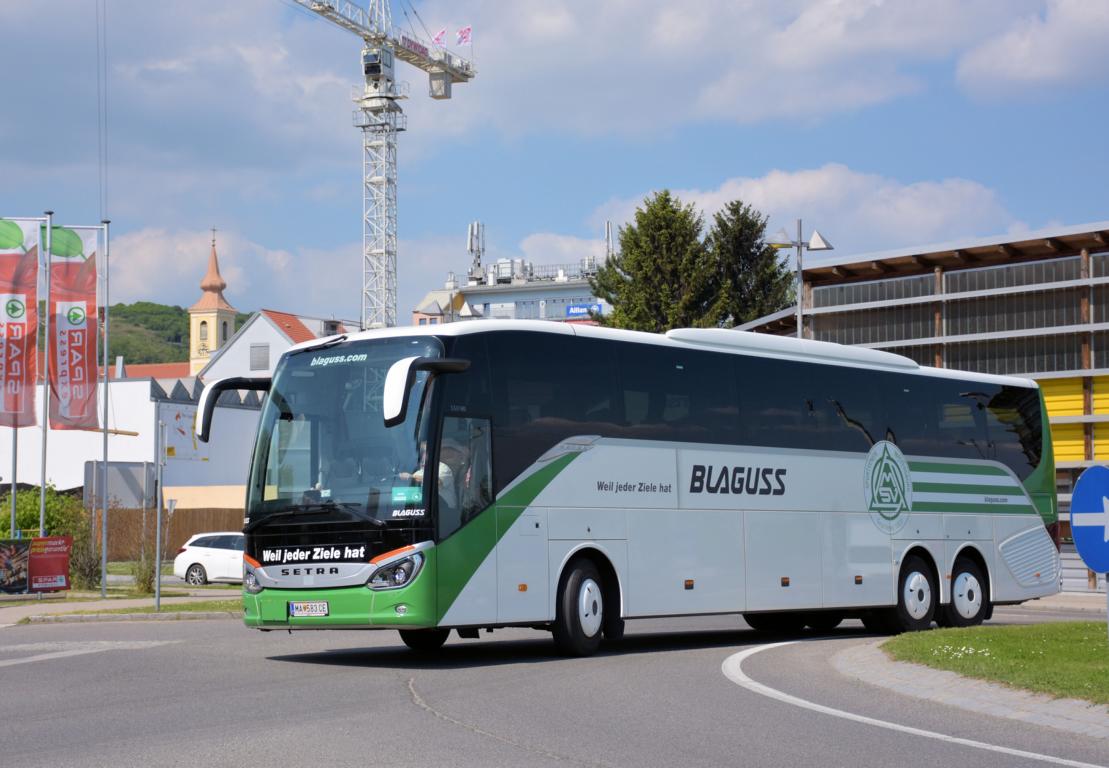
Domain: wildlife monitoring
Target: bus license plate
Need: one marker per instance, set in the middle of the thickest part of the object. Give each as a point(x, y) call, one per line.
point(312, 608)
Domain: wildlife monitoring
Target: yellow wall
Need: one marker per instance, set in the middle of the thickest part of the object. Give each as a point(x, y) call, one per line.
point(207, 496)
point(1069, 442)
point(1063, 397)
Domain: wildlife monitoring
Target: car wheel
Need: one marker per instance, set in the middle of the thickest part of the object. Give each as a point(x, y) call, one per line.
point(424, 640)
point(783, 623)
point(196, 575)
point(969, 595)
point(580, 611)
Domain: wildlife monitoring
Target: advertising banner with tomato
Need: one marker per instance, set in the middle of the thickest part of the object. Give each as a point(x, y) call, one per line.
point(18, 322)
point(73, 328)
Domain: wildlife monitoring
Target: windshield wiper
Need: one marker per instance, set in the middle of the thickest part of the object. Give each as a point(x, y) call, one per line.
point(316, 508)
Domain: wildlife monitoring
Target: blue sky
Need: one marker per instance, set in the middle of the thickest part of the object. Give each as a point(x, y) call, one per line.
point(884, 124)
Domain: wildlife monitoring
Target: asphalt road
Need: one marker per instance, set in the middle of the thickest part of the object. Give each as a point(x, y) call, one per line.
point(212, 693)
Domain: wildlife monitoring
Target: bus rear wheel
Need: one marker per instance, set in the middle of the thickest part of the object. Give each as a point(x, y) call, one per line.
point(580, 611)
point(424, 640)
point(969, 596)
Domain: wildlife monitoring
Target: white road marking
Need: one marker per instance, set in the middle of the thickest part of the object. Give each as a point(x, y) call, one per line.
point(64, 650)
point(733, 670)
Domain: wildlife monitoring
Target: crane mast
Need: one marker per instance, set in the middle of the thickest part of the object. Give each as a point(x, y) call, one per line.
point(379, 116)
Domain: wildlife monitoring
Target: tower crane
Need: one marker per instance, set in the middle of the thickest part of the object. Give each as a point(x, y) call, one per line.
point(379, 115)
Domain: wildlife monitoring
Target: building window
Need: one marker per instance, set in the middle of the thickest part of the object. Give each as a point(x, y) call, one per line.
point(423, 321)
point(203, 330)
point(259, 357)
point(224, 334)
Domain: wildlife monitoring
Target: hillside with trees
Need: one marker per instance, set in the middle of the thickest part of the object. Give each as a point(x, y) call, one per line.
point(146, 332)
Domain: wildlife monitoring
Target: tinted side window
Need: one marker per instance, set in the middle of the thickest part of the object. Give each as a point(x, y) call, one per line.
point(204, 541)
point(547, 387)
point(677, 394)
point(789, 404)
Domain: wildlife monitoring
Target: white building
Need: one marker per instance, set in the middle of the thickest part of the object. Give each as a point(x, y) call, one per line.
point(197, 475)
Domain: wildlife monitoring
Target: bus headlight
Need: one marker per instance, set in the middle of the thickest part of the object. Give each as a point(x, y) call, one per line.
point(250, 582)
point(397, 574)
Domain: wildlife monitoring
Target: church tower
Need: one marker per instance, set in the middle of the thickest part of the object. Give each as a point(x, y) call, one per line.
point(212, 319)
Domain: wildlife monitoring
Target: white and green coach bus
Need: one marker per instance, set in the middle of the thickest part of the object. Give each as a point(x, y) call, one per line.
point(525, 473)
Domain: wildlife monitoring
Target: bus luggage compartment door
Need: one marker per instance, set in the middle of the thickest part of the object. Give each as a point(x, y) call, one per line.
point(784, 567)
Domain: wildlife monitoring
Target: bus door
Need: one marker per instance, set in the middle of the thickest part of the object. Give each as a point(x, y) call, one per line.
point(467, 526)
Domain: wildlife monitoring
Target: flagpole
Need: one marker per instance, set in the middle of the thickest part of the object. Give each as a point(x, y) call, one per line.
point(15, 469)
point(45, 376)
point(104, 469)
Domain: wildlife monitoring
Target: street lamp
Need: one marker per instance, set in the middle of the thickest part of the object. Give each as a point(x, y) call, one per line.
point(781, 240)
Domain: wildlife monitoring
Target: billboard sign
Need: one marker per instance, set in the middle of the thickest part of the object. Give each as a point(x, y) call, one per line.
point(582, 310)
point(35, 565)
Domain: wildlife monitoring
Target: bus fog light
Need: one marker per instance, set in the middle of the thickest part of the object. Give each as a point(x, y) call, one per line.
point(401, 609)
point(398, 574)
point(250, 583)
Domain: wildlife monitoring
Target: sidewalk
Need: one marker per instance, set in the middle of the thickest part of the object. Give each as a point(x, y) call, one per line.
point(12, 613)
point(1086, 602)
point(867, 662)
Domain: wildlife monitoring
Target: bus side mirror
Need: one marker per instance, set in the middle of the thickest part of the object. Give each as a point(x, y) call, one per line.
point(207, 404)
point(401, 377)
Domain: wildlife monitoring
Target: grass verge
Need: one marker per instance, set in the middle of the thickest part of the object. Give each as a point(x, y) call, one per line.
point(1069, 659)
point(234, 606)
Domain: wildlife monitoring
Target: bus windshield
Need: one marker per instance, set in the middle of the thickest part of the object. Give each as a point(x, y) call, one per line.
point(323, 448)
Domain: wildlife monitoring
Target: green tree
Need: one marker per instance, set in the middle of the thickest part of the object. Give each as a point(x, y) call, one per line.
point(64, 514)
point(663, 277)
point(666, 276)
point(753, 279)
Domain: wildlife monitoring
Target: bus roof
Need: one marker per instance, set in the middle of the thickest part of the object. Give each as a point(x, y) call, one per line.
point(717, 339)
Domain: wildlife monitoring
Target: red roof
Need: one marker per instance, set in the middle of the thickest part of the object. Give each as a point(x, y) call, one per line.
point(290, 325)
point(153, 370)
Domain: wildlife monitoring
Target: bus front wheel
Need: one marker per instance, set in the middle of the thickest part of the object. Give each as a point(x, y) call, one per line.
point(580, 612)
point(424, 640)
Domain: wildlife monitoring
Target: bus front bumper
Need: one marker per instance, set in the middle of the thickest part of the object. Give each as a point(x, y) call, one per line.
point(347, 607)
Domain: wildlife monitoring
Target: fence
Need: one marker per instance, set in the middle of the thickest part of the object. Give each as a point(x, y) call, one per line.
point(126, 528)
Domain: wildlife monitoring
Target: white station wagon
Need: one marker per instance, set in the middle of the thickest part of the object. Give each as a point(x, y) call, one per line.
point(210, 557)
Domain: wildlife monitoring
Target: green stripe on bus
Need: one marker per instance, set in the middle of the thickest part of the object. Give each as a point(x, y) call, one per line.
point(460, 555)
point(957, 469)
point(944, 506)
point(978, 490)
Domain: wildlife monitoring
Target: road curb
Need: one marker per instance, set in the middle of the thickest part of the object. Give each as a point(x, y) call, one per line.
point(868, 663)
point(164, 616)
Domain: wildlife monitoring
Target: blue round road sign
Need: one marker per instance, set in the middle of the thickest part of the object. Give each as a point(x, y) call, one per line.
point(1089, 518)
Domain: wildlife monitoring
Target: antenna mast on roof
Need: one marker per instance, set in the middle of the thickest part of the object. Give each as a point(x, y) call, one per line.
point(475, 246)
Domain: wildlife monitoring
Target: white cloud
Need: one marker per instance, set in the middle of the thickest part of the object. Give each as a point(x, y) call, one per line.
point(856, 211)
point(644, 67)
point(550, 248)
point(1062, 46)
point(167, 266)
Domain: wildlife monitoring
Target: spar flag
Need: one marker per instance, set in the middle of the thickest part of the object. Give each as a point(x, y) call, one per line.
point(18, 322)
point(465, 36)
point(73, 327)
point(439, 40)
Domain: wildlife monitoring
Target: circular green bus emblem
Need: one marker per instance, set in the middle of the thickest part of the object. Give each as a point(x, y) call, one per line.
point(888, 487)
point(75, 316)
point(15, 308)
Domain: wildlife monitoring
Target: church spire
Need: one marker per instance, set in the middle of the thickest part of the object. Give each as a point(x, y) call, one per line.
point(213, 283)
